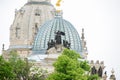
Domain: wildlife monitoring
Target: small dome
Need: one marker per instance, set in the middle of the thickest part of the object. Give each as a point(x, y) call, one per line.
point(47, 33)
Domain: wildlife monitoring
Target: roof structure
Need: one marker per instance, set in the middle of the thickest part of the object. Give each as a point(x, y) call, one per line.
point(47, 33)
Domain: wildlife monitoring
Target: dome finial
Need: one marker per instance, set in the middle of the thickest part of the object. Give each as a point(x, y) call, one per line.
point(58, 3)
point(83, 34)
point(112, 76)
point(58, 6)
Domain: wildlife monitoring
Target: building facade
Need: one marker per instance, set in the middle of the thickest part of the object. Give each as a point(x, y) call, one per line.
point(39, 32)
point(26, 24)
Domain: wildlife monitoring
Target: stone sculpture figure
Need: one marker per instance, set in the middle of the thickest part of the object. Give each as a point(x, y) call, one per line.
point(66, 44)
point(51, 44)
point(58, 37)
point(48, 45)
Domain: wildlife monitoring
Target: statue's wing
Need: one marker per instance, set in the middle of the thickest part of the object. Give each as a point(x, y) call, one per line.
point(62, 33)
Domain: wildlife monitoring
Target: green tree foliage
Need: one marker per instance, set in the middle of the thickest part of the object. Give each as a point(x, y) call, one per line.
point(6, 72)
point(84, 65)
point(71, 54)
point(20, 67)
point(16, 68)
point(69, 67)
point(93, 77)
point(25, 70)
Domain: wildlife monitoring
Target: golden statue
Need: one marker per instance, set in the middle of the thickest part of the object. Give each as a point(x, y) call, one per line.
point(58, 3)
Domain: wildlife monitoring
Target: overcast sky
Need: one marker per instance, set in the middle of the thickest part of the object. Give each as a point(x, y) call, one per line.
point(99, 18)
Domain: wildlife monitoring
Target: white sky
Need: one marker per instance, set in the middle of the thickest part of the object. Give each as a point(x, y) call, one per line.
point(100, 18)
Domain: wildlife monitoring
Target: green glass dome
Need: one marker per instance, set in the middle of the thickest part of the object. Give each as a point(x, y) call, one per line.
point(47, 32)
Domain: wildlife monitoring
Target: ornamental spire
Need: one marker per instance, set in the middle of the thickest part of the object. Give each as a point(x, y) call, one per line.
point(112, 76)
point(82, 34)
point(58, 5)
point(58, 12)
